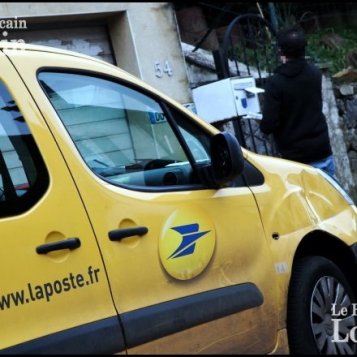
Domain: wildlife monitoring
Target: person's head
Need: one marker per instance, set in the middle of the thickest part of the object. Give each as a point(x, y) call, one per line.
point(292, 42)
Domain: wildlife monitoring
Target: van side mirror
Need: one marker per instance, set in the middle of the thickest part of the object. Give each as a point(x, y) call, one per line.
point(226, 158)
point(227, 161)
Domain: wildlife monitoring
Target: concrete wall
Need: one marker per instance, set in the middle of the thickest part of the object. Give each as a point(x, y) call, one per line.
point(144, 36)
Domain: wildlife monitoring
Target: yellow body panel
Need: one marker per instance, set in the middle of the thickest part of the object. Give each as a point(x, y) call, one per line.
point(48, 282)
point(294, 202)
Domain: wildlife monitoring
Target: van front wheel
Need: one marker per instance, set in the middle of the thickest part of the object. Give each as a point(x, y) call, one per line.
point(320, 316)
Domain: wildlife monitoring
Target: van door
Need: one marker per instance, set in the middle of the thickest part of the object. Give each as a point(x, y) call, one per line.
point(189, 267)
point(54, 295)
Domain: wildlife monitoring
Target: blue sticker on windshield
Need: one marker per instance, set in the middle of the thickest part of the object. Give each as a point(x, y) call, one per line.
point(156, 117)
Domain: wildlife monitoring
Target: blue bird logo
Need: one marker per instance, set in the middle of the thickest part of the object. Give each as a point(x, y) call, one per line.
point(190, 233)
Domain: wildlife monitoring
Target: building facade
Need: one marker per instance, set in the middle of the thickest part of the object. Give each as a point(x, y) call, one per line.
point(141, 38)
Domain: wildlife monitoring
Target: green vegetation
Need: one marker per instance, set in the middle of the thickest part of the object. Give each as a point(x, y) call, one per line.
point(326, 45)
point(333, 46)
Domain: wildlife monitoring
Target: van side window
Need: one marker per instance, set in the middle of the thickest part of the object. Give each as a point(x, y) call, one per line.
point(124, 135)
point(23, 176)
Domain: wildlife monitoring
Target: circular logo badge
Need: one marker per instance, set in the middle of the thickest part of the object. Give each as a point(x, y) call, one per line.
point(187, 243)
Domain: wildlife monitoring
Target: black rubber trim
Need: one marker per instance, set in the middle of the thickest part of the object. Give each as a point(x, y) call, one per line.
point(252, 176)
point(100, 337)
point(146, 324)
point(163, 319)
point(353, 248)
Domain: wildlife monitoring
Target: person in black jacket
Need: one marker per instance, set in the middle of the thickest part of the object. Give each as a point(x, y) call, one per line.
point(292, 107)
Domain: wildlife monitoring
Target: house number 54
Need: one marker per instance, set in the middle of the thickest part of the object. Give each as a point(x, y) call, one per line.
point(160, 69)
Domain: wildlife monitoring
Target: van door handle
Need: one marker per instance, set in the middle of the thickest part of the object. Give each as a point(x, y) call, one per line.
point(119, 234)
point(70, 243)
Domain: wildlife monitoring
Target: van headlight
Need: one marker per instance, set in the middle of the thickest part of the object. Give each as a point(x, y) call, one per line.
point(337, 186)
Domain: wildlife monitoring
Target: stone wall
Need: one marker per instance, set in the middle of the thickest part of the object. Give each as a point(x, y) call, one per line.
point(346, 102)
point(337, 136)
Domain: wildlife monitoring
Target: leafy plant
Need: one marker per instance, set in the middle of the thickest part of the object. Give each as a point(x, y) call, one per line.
point(321, 50)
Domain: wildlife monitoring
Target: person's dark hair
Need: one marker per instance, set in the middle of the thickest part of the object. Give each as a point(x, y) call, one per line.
point(292, 42)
